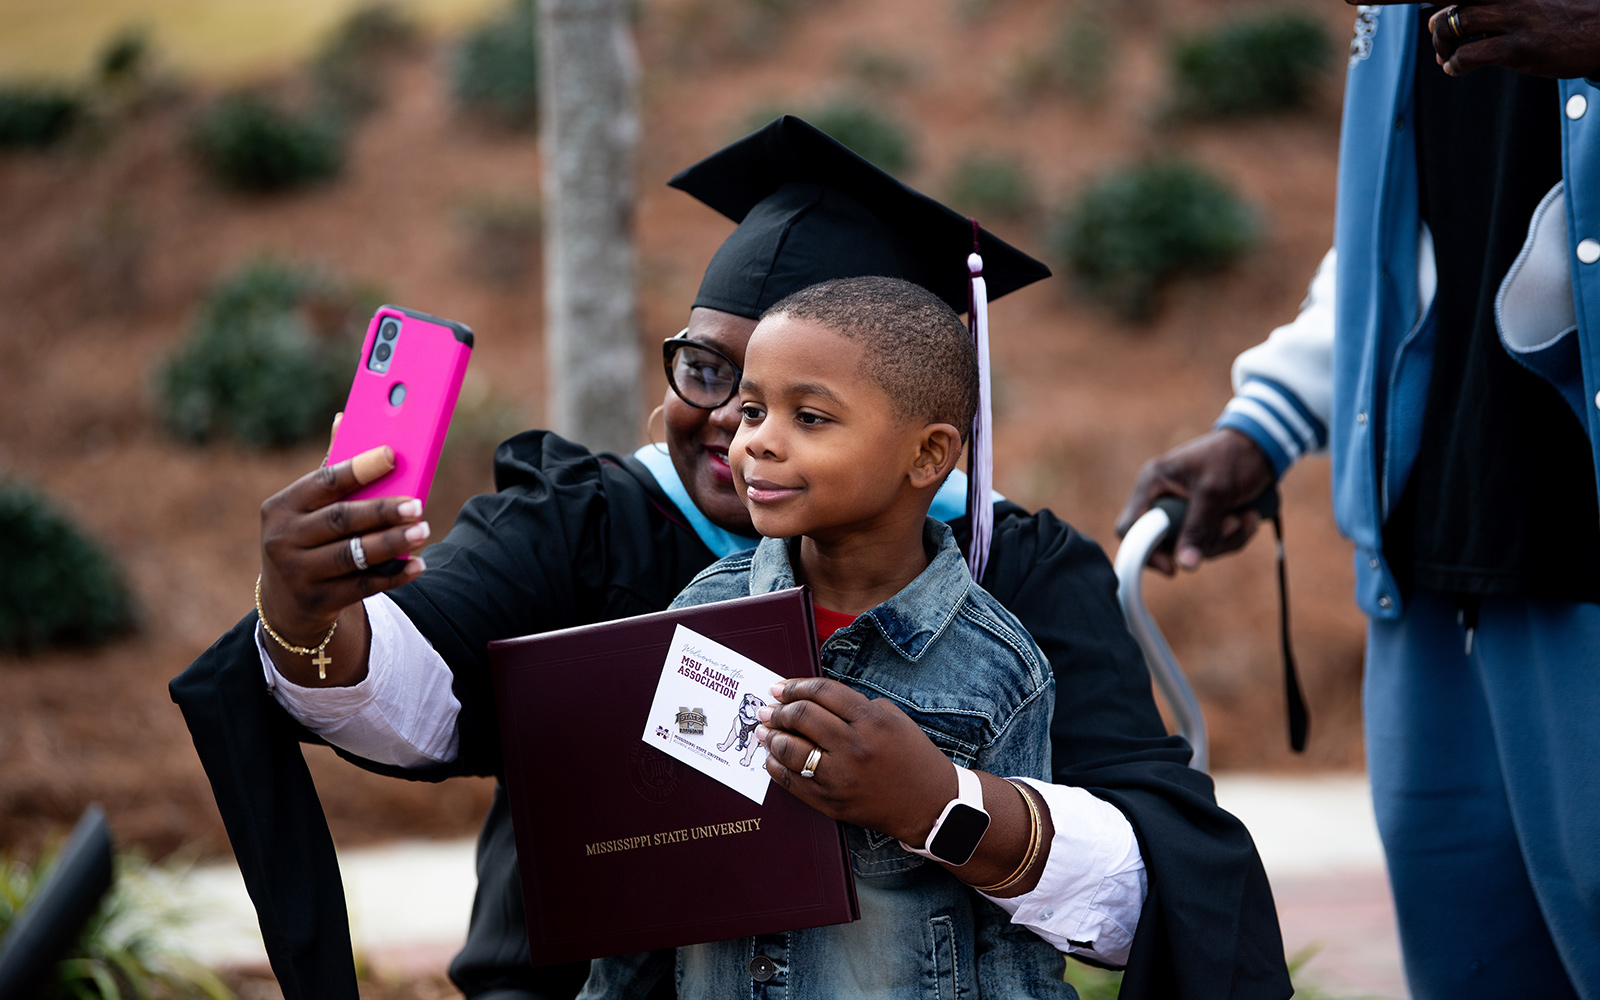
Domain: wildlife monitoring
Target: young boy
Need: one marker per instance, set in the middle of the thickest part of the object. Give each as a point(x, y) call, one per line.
point(855, 401)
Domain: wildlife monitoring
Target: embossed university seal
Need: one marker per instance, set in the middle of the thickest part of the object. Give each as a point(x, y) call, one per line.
point(653, 774)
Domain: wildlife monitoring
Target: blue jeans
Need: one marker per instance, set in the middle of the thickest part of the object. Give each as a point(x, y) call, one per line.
point(1486, 780)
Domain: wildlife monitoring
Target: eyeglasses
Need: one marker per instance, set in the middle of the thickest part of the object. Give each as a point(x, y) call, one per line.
point(702, 376)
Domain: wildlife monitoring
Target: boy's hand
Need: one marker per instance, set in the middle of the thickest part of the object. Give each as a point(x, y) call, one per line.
point(878, 769)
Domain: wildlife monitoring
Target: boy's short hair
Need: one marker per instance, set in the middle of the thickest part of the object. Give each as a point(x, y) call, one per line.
point(917, 349)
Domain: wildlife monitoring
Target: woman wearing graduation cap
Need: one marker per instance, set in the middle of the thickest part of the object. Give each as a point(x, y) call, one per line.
point(1141, 868)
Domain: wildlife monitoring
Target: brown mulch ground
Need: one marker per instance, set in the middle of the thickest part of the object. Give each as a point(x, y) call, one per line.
point(91, 305)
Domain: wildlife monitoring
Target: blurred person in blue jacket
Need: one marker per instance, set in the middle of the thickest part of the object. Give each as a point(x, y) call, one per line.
point(1448, 358)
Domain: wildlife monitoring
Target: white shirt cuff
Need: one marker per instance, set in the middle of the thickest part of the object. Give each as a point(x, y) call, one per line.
point(1093, 886)
point(403, 713)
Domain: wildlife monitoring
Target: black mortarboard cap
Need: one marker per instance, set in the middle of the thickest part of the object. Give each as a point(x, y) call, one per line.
point(810, 210)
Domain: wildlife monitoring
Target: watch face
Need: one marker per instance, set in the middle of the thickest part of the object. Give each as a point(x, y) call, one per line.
point(959, 834)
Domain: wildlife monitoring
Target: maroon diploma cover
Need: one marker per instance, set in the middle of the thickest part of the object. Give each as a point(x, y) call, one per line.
point(621, 847)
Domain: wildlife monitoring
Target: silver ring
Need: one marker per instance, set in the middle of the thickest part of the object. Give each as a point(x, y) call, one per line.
point(1453, 19)
point(358, 555)
point(812, 760)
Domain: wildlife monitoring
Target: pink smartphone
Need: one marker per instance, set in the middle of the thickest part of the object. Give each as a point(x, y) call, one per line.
point(404, 392)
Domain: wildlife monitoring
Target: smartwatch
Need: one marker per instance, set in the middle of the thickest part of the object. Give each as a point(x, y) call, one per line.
point(956, 833)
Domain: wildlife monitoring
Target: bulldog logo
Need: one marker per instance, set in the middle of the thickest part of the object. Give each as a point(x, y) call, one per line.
point(744, 728)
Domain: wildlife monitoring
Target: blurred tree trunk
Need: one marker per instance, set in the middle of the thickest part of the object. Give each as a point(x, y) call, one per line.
point(588, 131)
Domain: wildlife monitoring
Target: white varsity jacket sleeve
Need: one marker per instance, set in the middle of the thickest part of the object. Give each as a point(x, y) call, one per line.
point(1283, 387)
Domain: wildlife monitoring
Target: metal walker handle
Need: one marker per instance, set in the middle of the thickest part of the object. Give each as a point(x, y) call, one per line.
point(1159, 523)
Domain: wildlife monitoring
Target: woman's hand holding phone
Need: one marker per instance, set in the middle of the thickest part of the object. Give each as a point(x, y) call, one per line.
point(309, 576)
point(339, 534)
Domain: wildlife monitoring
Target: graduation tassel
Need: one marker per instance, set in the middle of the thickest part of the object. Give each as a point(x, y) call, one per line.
point(980, 456)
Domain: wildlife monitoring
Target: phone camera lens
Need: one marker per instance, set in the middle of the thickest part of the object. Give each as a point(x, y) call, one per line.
point(383, 352)
point(389, 330)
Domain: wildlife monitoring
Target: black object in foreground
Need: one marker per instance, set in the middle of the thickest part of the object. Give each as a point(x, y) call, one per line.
point(54, 919)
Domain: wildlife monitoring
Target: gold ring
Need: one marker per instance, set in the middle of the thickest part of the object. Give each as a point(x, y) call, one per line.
point(812, 760)
point(1453, 19)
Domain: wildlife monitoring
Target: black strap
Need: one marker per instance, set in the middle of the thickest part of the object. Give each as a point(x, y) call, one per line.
point(1269, 506)
point(1299, 718)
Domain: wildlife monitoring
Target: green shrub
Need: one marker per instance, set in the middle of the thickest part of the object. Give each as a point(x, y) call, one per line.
point(348, 66)
point(878, 68)
point(33, 117)
point(871, 133)
point(992, 186)
point(1077, 61)
point(59, 588)
point(1134, 231)
point(751, 28)
point(377, 28)
point(248, 143)
point(1253, 66)
point(268, 361)
point(1085, 51)
point(970, 11)
point(124, 950)
point(495, 70)
point(126, 57)
point(707, 33)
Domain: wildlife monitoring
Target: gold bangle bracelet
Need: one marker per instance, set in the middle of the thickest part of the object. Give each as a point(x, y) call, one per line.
point(1035, 844)
point(1036, 840)
point(319, 658)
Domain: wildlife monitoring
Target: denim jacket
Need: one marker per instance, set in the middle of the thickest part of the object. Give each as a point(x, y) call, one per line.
point(959, 664)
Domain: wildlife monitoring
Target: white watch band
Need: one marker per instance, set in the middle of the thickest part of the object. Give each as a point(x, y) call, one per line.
point(968, 788)
point(969, 791)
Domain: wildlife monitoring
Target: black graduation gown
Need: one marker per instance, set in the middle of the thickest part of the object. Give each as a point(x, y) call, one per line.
point(572, 538)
